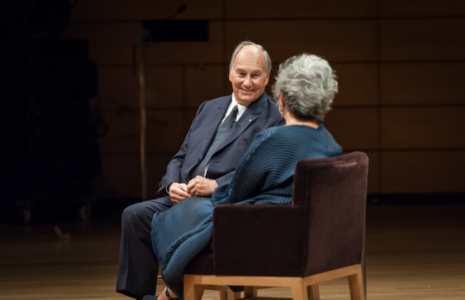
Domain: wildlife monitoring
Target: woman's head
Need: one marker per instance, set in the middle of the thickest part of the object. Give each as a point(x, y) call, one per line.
point(308, 85)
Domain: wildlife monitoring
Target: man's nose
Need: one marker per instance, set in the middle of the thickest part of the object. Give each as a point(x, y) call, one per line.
point(248, 81)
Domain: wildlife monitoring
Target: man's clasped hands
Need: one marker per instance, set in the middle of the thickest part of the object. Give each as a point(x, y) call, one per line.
point(199, 186)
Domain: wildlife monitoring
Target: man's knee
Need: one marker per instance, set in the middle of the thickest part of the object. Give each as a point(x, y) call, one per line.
point(128, 211)
point(142, 212)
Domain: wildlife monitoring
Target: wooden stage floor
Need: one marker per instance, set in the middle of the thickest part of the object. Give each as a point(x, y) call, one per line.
point(413, 252)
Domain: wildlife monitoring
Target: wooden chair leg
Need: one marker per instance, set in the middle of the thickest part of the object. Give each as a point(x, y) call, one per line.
point(313, 291)
point(232, 295)
point(250, 292)
point(223, 295)
point(299, 290)
point(190, 289)
point(356, 286)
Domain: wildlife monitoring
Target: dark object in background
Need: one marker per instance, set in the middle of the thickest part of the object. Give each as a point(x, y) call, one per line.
point(175, 30)
point(33, 18)
point(49, 153)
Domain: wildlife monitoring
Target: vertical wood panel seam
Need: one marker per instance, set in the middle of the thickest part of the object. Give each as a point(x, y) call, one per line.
point(223, 18)
point(378, 45)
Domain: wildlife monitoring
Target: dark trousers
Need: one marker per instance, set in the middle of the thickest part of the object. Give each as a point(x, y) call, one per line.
point(138, 265)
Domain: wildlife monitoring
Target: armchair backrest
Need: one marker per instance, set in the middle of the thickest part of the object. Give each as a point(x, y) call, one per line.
point(332, 194)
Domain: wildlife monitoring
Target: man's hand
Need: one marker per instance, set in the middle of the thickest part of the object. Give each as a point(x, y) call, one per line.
point(200, 186)
point(178, 192)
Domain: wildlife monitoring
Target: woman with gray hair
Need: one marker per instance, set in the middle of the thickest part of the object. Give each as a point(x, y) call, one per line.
point(305, 86)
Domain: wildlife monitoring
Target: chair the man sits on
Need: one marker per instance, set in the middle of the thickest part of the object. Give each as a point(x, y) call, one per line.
point(319, 237)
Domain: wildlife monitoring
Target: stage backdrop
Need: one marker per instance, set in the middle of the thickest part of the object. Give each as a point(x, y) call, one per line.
point(401, 68)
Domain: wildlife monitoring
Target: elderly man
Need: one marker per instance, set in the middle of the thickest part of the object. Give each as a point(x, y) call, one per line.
point(219, 136)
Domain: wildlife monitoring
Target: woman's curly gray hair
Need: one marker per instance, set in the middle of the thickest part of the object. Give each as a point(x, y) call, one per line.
point(308, 84)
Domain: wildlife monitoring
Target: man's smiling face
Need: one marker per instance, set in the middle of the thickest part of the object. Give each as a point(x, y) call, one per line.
point(248, 76)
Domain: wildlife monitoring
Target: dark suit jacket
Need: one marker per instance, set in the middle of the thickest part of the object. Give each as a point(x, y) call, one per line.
point(260, 115)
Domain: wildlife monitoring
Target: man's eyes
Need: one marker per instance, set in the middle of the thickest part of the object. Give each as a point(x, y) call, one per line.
point(254, 75)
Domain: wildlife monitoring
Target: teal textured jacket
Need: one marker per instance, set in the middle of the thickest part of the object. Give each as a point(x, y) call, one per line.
point(264, 176)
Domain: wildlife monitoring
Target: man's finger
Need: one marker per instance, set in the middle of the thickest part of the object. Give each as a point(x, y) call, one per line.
point(193, 192)
point(181, 193)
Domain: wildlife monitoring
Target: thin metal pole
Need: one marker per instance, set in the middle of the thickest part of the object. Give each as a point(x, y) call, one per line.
point(143, 120)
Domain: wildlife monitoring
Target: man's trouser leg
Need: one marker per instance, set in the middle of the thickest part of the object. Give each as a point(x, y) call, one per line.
point(138, 265)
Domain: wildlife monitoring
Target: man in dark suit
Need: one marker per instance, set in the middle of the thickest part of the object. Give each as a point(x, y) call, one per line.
point(219, 136)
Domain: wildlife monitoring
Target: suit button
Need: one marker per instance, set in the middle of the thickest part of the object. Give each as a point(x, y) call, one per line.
point(198, 159)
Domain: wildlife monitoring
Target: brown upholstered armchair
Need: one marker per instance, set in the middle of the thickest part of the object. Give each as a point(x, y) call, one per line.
point(319, 237)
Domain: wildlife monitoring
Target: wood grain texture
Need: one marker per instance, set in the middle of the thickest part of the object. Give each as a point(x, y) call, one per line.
point(422, 83)
point(354, 128)
point(413, 252)
point(145, 10)
point(386, 53)
point(334, 40)
point(109, 42)
point(419, 8)
point(358, 84)
point(422, 39)
point(165, 131)
point(113, 43)
point(299, 9)
point(422, 127)
point(204, 83)
point(423, 172)
point(121, 174)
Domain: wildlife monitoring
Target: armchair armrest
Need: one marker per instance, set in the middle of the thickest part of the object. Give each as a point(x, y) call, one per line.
point(258, 240)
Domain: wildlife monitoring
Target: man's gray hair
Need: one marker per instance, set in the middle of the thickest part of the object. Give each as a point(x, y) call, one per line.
point(249, 43)
point(308, 84)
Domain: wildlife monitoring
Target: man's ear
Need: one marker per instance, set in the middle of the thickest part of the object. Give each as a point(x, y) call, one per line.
point(230, 74)
point(267, 78)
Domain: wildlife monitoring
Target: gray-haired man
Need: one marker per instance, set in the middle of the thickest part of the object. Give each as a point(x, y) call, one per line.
point(218, 138)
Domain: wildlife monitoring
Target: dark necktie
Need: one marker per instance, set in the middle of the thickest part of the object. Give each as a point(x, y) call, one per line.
point(220, 136)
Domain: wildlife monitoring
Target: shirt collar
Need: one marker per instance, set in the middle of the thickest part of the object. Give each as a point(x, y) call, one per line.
point(240, 108)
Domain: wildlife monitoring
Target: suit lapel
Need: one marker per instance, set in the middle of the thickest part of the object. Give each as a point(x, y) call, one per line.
point(215, 123)
point(248, 117)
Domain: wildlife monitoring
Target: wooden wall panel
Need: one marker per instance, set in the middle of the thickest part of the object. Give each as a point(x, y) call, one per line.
point(165, 86)
point(145, 9)
point(423, 127)
point(109, 42)
point(156, 170)
point(115, 43)
point(123, 132)
point(358, 84)
point(430, 8)
point(294, 9)
point(204, 83)
point(122, 175)
point(422, 39)
point(118, 87)
point(165, 131)
point(354, 128)
point(190, 52)
point(422, 83)
point(415, 56)
point(423, 172)
point(334, 40)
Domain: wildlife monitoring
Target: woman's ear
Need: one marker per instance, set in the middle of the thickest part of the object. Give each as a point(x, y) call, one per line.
point(281, 100)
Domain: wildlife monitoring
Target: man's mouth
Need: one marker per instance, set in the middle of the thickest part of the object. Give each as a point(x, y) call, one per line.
point(245, 91)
